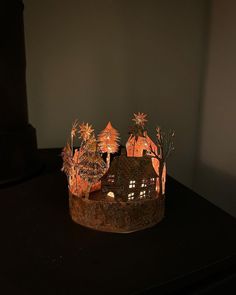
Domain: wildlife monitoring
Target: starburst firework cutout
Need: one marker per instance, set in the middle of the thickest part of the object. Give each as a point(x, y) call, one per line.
point(85, 131)
point(140, 119)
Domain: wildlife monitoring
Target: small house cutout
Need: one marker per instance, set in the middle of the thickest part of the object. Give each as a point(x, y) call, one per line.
point(130, 178)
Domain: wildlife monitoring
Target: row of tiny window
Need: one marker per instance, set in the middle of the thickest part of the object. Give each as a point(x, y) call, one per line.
point(132, 182)
point(141, 195)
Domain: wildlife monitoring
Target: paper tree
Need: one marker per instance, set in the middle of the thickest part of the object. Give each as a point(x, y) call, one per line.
point(68, 151)
point(73, 133)
point(108, 141)
point(165, 146)
point(84, 166)
point(67, 159)
point(91, 165)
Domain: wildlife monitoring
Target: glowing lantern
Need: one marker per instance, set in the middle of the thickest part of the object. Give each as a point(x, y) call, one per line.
point(122, 196)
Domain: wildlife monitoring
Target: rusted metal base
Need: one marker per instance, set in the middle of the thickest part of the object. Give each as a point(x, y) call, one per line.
point(105, 214)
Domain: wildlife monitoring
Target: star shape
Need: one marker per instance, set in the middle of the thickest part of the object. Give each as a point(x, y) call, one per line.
point(140, 119)
point(85, 131)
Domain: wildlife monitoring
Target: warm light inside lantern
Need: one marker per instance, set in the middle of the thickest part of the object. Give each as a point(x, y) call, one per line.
point(111, 194)
point(119, 187)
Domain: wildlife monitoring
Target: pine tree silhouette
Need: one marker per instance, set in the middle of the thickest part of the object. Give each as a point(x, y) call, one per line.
point(108, 141)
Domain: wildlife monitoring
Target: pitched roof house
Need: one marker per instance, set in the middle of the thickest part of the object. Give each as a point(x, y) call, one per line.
point(130, 178)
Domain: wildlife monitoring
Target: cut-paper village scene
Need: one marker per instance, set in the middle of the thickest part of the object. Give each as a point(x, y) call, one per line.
point(134, 172)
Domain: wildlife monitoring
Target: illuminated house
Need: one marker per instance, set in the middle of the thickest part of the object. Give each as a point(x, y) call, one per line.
point(138, 147)
point(130, 178)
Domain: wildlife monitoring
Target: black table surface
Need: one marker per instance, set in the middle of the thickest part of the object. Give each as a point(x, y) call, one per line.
point(44, 252)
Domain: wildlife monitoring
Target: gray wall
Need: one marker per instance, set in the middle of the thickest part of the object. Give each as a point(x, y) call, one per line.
point(103, 60)
point(216, 173)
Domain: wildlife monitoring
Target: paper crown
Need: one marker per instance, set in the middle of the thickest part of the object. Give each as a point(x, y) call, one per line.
point(124, 192)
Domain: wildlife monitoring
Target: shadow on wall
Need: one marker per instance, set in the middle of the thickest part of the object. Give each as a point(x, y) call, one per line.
point(217, 187)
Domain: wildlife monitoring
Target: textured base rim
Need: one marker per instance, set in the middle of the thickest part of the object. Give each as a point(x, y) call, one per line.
point(116, 217)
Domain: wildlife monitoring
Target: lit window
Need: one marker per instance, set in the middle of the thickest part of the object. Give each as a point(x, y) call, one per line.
point(152, 180)
point(132, 183)
point(111, 194)
point(130, 196)
point(142, 194)
point(144, 183)
point(111, 178)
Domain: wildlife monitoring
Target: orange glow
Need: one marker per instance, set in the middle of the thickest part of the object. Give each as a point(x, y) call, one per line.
point(78, 186)
point(108, 139)
point(136, 148)
point(85, 167)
